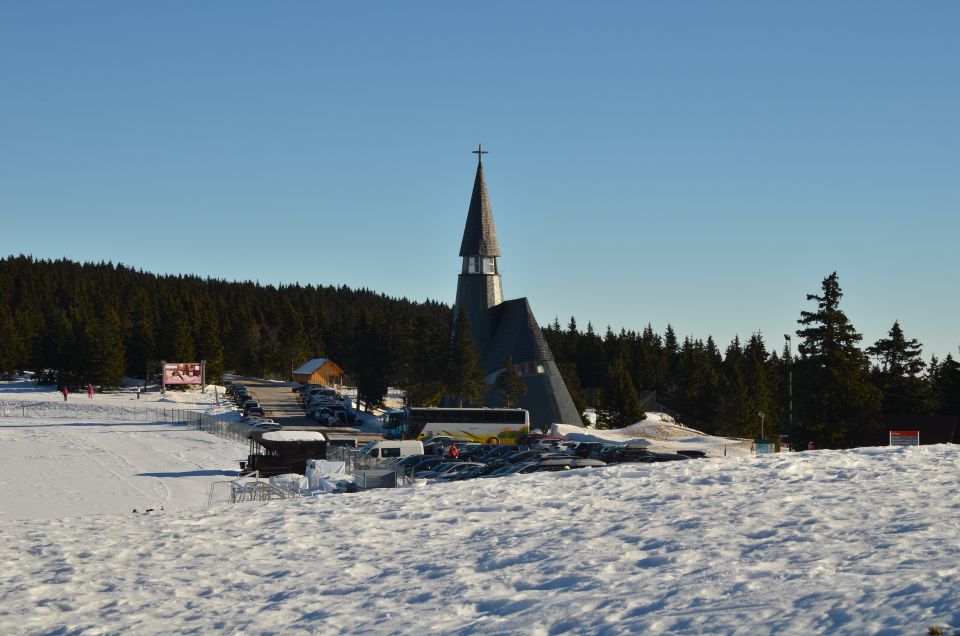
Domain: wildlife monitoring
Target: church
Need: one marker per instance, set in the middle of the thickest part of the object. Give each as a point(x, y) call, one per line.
point(506, 328)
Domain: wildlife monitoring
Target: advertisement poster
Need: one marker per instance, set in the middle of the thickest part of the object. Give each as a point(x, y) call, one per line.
point(182, 373)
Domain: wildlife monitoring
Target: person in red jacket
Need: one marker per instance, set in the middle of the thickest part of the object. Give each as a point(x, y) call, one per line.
point(90, 390)
point(454, 453)
point(65, 391)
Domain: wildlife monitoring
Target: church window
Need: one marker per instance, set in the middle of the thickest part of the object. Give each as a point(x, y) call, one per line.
point(489, 266)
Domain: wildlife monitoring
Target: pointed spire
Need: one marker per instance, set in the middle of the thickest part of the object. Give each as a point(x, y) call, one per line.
point(480, 234)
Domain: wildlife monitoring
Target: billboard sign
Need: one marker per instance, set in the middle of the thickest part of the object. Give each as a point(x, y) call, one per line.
point(904, 438)
point(182, 373)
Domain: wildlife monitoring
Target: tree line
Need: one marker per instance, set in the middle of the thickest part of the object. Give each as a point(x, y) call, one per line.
point(99, 322)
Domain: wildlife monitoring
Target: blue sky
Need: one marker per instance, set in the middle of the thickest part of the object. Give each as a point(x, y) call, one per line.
point(695, 163)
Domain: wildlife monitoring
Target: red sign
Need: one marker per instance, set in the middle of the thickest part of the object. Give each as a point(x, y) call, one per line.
point(904, 438)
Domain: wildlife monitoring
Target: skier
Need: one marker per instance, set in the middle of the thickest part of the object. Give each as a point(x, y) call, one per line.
point(65, 391)
point(90, 390)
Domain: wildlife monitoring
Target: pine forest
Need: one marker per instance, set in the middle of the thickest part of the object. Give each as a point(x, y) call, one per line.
point(98, 322)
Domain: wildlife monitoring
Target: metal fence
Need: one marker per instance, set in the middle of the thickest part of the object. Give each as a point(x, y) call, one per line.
point(355, 463)
point(79, 411)
point(249, 487)
point(228, 429)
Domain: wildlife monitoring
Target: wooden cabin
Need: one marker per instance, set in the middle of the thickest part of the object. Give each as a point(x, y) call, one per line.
point(321, 371)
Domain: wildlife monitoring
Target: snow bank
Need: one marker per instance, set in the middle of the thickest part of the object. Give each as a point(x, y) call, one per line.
point(659, 431)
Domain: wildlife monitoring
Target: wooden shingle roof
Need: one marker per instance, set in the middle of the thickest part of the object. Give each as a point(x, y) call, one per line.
point(480, 234)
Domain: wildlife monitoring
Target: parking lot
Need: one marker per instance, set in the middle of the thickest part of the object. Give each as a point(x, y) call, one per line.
point(280, 404)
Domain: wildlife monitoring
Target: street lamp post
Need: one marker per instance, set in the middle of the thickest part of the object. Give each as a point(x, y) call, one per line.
point(789, 340)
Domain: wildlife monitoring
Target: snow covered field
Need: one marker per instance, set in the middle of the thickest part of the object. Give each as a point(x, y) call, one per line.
point(836, 542)
point(104, 455)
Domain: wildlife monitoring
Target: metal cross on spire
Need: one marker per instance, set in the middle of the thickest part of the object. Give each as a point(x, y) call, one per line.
point(480, 152)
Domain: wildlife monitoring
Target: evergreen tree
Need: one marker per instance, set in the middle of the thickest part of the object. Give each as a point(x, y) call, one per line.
point(10, 343)
point(465, 377)
point(210, 349)
point(760, 376)
point(837, 406)
point(736, 413)
point(510, 383)
point(568, 371)
point(898, 373)
point(422, 361)
point(183, 350)
point(621, 406)
point(371, 362)
point(139, 339)
point(106, 355)
point(945, 386)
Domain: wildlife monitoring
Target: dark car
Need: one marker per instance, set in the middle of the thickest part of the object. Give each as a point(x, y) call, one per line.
point(447, 468)
point(626, 454)
point(564, 463)
point(585, 449)
point(692, 454)
point(477, 471)
point(425, 464)
point(531, 438)
point(496, 452)
point(253, 410)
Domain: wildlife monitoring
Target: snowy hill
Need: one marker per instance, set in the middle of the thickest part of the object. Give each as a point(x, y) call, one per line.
point(812, 543)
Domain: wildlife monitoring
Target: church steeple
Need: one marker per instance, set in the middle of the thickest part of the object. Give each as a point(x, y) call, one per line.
point(480, 234)
point(479, 286)
point(505, 329)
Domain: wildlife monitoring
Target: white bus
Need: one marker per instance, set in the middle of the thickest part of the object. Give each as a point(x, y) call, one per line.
point(490, 426)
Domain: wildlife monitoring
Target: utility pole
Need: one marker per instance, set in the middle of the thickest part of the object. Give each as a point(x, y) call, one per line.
point(789, 340)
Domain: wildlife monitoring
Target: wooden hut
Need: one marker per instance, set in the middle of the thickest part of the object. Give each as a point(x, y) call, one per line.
point(318, 371)
point(282, 452)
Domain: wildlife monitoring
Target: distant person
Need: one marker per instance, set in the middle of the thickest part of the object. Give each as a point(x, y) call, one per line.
point(138, 393)
point(810, 446)
point(65, 392)
point(454, 452)
point(90, 391)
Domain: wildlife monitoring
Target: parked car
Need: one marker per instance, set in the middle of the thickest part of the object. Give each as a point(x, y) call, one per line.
point(568, 463)
point(477, 471)
point(253, 409)
point(530, 438)
point(585, 449)
point(427, 463)
point(446, 469)
point(496, 452)
point(628, 454)
point(508, 470)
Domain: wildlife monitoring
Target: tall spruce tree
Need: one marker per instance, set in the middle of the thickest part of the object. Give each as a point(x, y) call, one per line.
point(945, 386)
point(106, 357)
point(836, 404)
point(371, 361)
point(898, 373)
point(465, 376)
point(620, 405)
point(10, 351)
